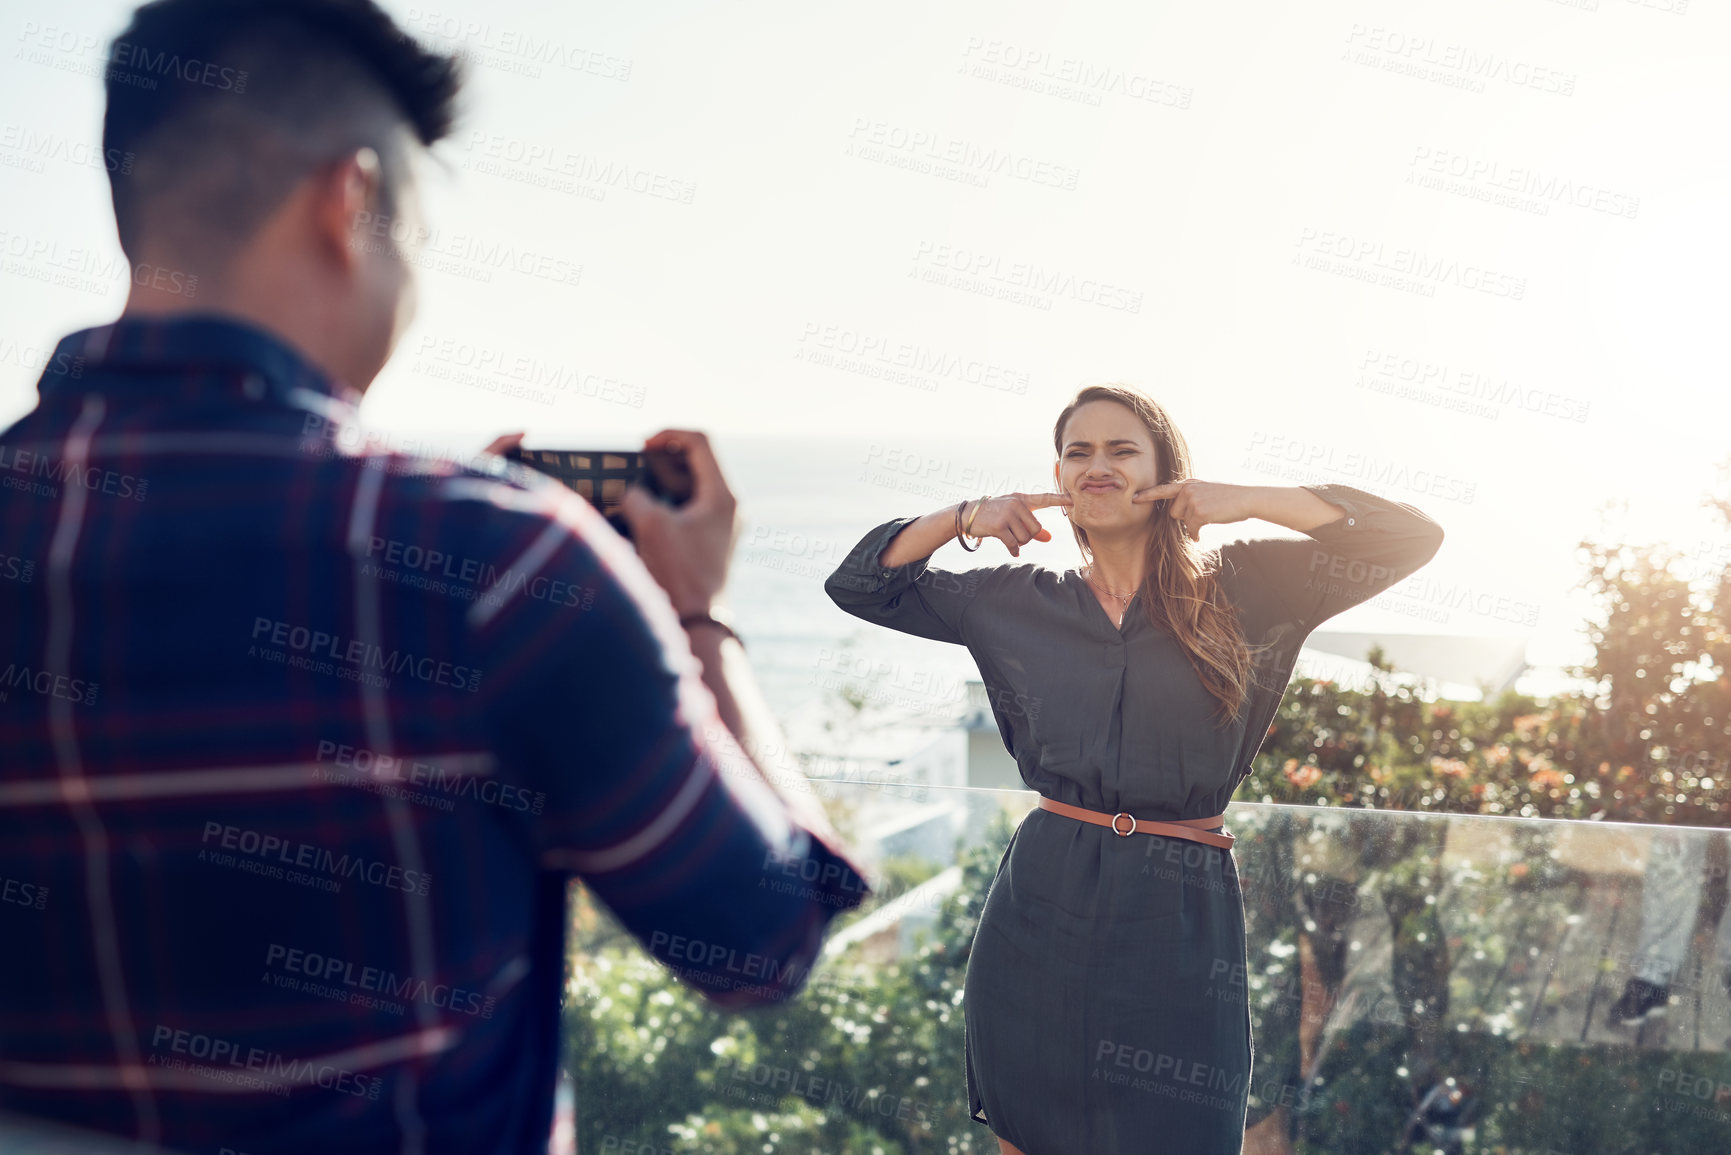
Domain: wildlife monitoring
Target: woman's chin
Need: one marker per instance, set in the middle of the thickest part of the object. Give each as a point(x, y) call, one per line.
point(1098, 517)
point(1108, 519)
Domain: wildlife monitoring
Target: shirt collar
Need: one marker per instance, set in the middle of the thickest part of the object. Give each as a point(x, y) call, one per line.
point(203, 353)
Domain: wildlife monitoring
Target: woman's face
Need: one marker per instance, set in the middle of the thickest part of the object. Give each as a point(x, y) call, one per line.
point(1106, 456)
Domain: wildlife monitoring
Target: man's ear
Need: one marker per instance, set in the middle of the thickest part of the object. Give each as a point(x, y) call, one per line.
point(345, 205)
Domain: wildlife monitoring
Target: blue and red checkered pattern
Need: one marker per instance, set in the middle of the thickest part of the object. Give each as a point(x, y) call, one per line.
point(301, 743)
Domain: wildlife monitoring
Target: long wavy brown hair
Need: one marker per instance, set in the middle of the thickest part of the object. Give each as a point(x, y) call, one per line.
point(1180, 591)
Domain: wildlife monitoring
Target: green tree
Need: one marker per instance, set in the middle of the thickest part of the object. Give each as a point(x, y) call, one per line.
point(865, 1059)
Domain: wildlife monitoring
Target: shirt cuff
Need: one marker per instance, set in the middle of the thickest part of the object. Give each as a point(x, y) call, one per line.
point(1347, 499)
point(860, 572)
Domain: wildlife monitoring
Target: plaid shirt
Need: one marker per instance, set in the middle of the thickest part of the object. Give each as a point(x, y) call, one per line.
point(300, 744)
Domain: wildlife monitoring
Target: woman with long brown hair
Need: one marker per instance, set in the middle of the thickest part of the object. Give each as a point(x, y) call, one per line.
point(1105, 1006)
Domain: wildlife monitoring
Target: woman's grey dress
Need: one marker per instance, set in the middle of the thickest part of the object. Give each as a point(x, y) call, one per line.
point(1105, 1007)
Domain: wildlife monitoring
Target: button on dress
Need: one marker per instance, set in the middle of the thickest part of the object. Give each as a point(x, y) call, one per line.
point(1104, 1006)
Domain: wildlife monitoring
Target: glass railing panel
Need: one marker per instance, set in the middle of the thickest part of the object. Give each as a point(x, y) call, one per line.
point(1416, 982)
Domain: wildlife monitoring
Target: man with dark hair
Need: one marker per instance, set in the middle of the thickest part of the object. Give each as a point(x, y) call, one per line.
point(323, 101)
point(303, 745)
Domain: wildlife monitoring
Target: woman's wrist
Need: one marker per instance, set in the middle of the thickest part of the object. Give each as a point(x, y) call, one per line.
point(968, 525)
point(963, 526)
point(919, 538)
point(1261, 500)
point(1293, 507)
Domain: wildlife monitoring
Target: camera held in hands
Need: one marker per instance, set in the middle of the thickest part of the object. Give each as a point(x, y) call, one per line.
point(600, 476)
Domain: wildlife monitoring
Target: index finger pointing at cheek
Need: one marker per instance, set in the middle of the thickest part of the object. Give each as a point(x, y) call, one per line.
point(1042, 500)
point(1158, 492)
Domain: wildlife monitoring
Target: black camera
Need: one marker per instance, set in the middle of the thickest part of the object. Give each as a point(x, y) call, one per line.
point(600, 476)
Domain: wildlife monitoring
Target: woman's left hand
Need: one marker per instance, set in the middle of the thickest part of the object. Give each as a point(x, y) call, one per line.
point(1194, 504)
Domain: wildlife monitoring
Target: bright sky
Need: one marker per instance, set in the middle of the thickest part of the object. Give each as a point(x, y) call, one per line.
point(1467, 255)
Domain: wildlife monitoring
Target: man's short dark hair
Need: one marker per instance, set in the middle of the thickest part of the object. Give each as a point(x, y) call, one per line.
point(226, 104)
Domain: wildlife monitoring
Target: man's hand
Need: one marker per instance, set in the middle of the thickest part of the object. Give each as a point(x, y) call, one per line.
point(686, 548)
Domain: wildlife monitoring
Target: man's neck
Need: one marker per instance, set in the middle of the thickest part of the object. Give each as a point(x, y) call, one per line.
point(159, 301)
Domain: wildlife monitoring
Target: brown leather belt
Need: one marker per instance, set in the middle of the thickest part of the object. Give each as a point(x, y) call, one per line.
point(1206, 830)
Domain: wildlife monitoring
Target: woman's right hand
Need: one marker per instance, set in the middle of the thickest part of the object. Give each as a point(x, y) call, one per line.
point(1010, 518)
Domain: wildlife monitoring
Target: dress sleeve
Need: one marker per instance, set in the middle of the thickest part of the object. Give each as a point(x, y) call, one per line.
point(913, 598)
point(1374, 544)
